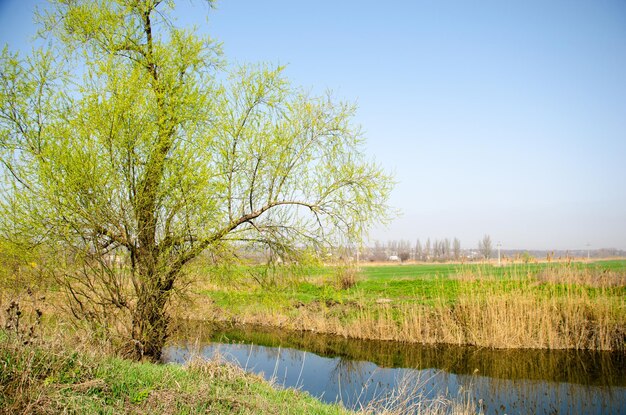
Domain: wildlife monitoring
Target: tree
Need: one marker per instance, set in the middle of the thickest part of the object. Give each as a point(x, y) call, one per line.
point(484, 246)
point(446, 248)
point(456, 249)
point(404, 250)
point(127, 152)
point(435, 250)
point(418, 251)
point(380, 251)
point(393, 247)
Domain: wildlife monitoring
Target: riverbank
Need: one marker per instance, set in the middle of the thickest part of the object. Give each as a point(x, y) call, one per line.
point(575, 306)
point(609, 368)
point(359, 372)
point(47, 378)
point(44, 376)
point(49, 366)
point(543, 306)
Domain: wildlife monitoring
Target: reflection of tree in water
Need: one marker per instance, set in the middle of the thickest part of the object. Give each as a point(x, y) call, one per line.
point(363, 385)
point(351, 377)
point(296, 358)
point(528, 380)
point(349, 370)
point(271, 353)
point(536, 396)
point(583, 367)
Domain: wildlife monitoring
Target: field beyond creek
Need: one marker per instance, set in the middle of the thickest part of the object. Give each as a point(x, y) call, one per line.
point(57, 368)
point(573, 305)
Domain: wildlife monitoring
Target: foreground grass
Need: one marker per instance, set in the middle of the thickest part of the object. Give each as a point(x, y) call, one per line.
point(553, 306)
point(43, 379)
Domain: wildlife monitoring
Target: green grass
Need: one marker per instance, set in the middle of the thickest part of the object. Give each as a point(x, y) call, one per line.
point(48, 379)
point(408, 271)
point(422, 284)
point(392, 294)
point(426, 282)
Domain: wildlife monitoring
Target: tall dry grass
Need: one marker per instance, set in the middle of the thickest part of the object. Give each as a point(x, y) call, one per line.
point(521, 318)
point(409, 397)
point(554, 309)
point(513, 321)
point(591, 277)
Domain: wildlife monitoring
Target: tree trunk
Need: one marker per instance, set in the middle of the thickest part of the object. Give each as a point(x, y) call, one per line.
point(150, 322)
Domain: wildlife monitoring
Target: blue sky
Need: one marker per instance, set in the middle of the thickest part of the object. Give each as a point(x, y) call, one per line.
point(505, 118)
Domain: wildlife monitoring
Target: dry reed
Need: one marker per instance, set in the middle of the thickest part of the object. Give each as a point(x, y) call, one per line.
point(583, 276)
point(409, 397)
point(540, 312)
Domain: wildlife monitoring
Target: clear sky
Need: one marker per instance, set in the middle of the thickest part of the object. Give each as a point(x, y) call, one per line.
point(505, 118)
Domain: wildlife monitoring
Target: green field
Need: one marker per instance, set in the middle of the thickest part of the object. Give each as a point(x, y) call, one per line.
point(384, 301)
point(413, 283)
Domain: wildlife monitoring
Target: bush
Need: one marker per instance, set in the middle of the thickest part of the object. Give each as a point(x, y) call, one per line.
point(345, 277)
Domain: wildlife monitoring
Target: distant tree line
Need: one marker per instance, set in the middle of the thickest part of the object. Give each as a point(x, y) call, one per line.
point(435, 250)
point(431, 250)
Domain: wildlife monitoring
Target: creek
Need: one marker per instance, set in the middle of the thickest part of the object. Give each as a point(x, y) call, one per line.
point(361, 372)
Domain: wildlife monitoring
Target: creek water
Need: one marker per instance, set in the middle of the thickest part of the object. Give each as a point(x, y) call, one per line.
point(357, 372)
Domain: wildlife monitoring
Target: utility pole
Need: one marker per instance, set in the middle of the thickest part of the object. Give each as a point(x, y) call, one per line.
point(588, 245)
point(499, 245)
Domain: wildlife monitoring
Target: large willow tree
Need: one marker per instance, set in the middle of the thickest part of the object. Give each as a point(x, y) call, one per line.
point(128, 148)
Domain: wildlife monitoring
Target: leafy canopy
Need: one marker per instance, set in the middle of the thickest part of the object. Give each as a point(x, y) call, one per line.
point(130, 135)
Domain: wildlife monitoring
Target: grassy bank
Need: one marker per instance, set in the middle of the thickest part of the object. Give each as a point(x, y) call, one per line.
point(45, 379)
point(552, 306)
point(556, 306)
point(50, 363)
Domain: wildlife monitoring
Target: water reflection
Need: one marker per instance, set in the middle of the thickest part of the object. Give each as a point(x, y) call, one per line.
point(356, 372)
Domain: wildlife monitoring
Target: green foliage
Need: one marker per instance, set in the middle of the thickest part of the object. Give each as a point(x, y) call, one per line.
point(128, 148)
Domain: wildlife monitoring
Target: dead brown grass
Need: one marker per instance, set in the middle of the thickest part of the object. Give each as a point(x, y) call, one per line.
point(550, 311)
point(408, 398)
point(346, 277)
point(582, 276)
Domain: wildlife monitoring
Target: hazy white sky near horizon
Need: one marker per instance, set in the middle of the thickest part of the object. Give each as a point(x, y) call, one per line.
point(500, 118)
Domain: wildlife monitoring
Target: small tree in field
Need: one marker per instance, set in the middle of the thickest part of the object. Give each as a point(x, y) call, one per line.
point(404, 250)
point(418, 251)
point(456, 249)
point(484, 246)
point(131, 166)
